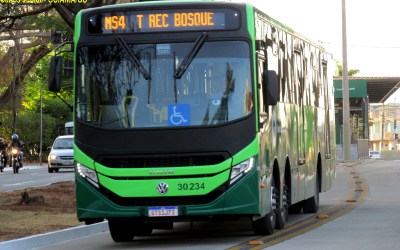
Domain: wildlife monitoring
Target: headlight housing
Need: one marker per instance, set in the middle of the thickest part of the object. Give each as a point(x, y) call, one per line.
point(241, 169)
point(88, 174)
point(53, 157)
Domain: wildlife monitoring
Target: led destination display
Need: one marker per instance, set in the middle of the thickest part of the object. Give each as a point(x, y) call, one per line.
point(163, 20)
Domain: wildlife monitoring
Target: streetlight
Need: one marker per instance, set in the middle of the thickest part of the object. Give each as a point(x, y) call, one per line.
point(345, 87)
point(41, 125)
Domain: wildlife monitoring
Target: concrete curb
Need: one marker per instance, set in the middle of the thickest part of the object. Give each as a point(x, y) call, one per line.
point(47, 239)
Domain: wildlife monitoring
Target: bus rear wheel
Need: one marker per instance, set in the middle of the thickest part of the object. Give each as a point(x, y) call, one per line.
point(283, 211)
point(311, 205)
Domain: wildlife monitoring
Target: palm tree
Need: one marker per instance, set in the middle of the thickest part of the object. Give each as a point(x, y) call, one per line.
point(339, 70)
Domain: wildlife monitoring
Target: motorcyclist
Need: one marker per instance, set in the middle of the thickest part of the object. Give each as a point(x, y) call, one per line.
point(3, 147)
point(16, 143)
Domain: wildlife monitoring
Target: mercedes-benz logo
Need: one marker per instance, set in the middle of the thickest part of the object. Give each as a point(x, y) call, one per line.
point(162, 188)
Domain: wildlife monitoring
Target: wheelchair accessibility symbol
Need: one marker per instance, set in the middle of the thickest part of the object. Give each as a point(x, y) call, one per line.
point(179, 115)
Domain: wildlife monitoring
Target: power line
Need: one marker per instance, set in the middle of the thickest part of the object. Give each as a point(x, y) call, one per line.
point(363, 46)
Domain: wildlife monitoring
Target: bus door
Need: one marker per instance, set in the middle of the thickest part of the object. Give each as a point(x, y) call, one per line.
point(300, 121)
point(328, 139)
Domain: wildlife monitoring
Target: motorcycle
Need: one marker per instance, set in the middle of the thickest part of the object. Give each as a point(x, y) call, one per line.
point(2, 160)
point(15, 159)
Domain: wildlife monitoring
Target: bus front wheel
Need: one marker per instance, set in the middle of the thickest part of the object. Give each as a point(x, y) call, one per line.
point(266, 225)
point(120, 230)
point(142, 229)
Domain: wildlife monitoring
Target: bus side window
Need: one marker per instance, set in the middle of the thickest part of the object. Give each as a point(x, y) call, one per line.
point(272, 84)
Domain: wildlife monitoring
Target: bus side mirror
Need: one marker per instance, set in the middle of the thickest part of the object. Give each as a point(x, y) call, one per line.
point(272, 84)
point(55, 73)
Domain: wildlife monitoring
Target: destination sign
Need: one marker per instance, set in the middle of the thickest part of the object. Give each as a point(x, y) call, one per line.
point(163, 21)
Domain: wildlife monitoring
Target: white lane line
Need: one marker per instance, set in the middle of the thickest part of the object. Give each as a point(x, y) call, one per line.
point(17, 184)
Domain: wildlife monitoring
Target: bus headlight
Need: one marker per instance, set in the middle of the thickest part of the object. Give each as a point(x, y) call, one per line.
point(88, 174)
point(241, 170)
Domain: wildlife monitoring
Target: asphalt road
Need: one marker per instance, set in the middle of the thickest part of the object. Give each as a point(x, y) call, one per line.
point(371, 221)
point(199, 235)
point(31, 176)
point(374, 224)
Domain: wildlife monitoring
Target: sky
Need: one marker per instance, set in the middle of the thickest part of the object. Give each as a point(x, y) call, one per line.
point(373, 35)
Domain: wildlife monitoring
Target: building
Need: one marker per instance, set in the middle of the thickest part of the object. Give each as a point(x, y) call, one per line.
point(385, 126)
point(371, 117)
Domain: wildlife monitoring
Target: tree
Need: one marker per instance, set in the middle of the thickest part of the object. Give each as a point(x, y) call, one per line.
point(25, 42)
point(339, 71)
point(69, 11)
point(27, 30)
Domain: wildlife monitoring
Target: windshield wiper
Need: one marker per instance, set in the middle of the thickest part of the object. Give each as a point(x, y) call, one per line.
point(134, 58)
point(190, 56)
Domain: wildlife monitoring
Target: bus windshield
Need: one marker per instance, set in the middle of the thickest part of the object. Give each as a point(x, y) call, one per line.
point(133, 86)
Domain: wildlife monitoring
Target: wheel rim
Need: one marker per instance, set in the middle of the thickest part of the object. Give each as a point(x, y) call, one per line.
point(274, 202)
point(285, 201)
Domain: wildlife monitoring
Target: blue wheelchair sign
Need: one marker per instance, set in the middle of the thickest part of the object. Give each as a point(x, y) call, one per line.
point(179, 115)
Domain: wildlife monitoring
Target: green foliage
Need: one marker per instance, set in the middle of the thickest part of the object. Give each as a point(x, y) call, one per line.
point(339, 70)
point(29, 130)
point(5, 127)
point(33, 27)
point(29, 127)
point(48, 20)
point(55, 112)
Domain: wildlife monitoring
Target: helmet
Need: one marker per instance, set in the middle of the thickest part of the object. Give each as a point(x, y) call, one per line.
point(1, 139)
point(14, 137)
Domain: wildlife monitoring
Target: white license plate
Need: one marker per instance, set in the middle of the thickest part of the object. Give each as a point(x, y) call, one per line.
point(163, 211)
point(68, 163)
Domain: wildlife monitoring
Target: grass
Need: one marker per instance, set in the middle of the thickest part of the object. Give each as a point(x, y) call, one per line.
point(55, 213)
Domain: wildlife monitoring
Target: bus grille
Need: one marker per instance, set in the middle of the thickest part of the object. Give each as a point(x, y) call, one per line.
point(164, 201)
point(162, 161)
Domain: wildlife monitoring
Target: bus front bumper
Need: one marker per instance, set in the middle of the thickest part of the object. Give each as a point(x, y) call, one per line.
point(240, 199)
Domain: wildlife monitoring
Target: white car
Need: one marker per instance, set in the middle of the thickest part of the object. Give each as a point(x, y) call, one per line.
point(62, 153)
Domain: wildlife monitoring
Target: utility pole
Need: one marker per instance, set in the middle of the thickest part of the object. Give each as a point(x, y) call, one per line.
point(383, 127)
point(345, 87)
point(41, 125)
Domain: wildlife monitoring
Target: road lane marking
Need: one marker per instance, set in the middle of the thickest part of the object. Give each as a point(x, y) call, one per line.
point(355, 195)
point(17, 184)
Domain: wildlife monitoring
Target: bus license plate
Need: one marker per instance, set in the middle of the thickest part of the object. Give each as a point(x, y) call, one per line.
point(163, 211)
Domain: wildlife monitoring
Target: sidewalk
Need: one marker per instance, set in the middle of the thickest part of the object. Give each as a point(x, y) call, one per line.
point(41, 240)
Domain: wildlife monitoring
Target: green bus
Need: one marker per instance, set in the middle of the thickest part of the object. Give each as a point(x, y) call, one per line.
point(188, 111)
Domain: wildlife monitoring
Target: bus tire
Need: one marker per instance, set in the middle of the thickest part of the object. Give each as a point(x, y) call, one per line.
point(283, 211)
point(266, 225)
point(120, 229)
point(295, 208)
point(142, 229)
point(311, 205)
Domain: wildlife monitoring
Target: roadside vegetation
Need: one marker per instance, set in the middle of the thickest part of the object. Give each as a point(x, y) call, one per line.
point(56, 211)
point(29, 35)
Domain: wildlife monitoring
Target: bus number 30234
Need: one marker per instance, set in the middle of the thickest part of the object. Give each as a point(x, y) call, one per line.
point(191, 186)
